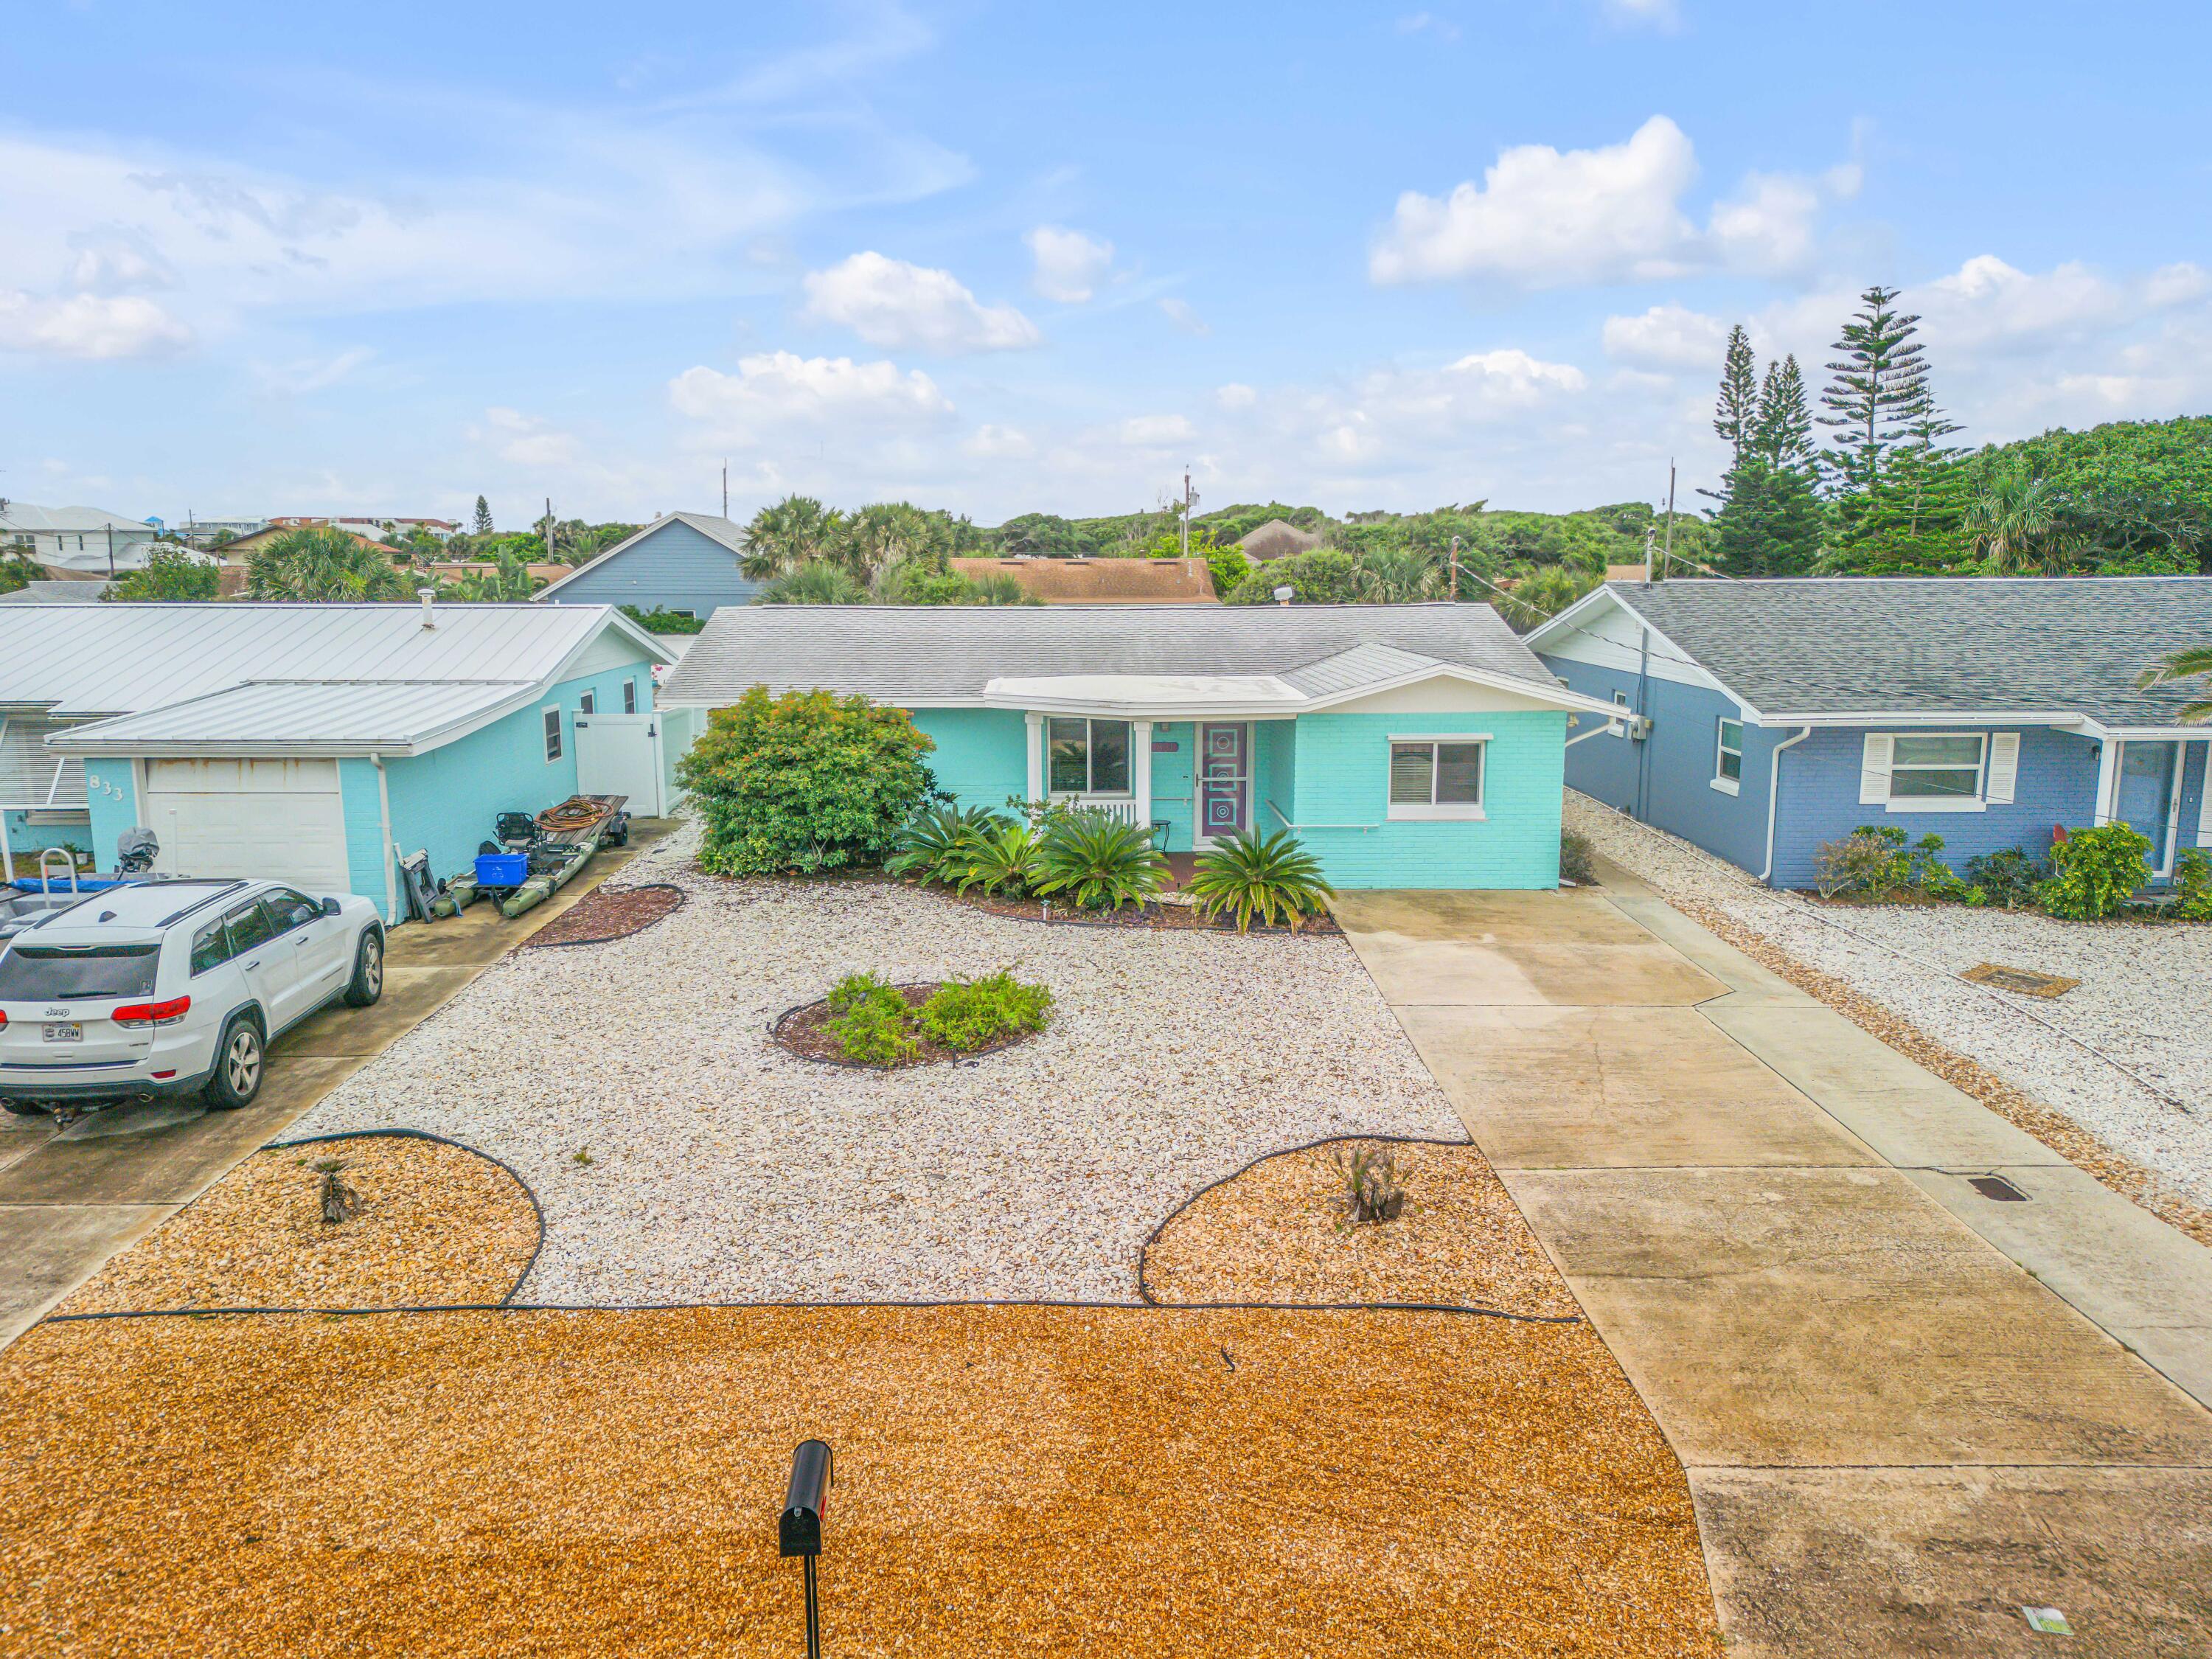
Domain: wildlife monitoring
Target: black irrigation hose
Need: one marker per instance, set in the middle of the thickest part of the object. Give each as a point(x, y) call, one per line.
point(513, 1175)
point(533, 942)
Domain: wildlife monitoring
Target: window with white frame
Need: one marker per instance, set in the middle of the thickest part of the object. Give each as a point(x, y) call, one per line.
point(629, 696)
point(1728, 757)
point(1937, 766)
point(1436, 777)
point(1087, 756)
point(588, 703)
point(553, 750)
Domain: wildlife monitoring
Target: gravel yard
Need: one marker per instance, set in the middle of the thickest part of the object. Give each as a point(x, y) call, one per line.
point(680, 1156)
point(2145, 998)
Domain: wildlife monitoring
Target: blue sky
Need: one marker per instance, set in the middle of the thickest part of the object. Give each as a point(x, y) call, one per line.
point(1001, 258)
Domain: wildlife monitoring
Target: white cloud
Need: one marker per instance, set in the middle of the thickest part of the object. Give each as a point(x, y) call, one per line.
point(890, 303)
point(1543, 217)
point(1069, 264)
point(1179, 313)
point(1235, 395)
point(993, 443)
point(1654, 14)
point(1667, 336)
point(527, 441)
point(1151, 431)
point(306, 375)
point(774, 390)
point(89, 326)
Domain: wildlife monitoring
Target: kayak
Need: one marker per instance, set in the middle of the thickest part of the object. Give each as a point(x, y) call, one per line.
point(568, 838)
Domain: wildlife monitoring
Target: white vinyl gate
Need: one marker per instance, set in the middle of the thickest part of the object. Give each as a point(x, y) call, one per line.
point(620, 755)
point(269, 820)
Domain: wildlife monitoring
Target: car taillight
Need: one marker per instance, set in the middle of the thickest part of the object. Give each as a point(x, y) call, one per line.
point(3, 1020)
point(152, 1013)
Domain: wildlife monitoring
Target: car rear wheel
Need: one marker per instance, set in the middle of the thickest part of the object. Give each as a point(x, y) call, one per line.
point(367, 984)
point(240, 1060)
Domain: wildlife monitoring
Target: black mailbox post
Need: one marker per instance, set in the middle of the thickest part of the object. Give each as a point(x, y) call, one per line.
point(798, 1529)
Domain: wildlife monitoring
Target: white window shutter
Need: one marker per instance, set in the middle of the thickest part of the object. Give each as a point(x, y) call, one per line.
point(2004, 765)
point(1873, 771)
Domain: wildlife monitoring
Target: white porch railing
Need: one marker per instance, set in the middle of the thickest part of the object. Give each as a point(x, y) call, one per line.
point(1121, 808)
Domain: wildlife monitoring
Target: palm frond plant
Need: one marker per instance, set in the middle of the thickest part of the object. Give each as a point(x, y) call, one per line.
point(1001, 860)
point(816, 582)
point(2021, 525)
point(1097, 861)
point(1264, 875)
point(938, 844)
point(2194, 664)
point(1394, 573)
point(787, 534)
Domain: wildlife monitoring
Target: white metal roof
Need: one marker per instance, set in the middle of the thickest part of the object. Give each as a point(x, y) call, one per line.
point(109, 658)
point(315, 717)
point(44, 520)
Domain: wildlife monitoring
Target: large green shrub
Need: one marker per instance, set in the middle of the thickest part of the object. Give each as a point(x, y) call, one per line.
point(804, 782)
point(1097, 860)
point(2008, 877)
point(971, 1014)
point(2192, 885)
point(2095, 872)
point(1266, 875)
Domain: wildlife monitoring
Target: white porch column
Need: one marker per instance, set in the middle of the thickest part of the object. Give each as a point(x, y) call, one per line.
point(2205, 799)
point(2108, 761)
point(1140, 773)
point(1035, 722)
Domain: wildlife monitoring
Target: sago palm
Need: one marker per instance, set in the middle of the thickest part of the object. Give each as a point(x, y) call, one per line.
point(2194, 664)
point(1264, 875)
point(1097, 861)
point(816, 582)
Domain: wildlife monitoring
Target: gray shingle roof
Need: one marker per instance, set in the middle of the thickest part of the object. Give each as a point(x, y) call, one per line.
point(935, 655)
point(1938, 645)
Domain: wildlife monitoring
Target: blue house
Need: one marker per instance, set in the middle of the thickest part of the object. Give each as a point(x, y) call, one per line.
point(319, 743)
point(1405, 745)
point(686, 563)
point(1765, 718)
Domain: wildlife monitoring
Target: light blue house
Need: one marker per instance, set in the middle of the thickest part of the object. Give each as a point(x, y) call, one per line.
point(1407, 745)
point(1768, 717)
point(686, 563)
point(320, 743)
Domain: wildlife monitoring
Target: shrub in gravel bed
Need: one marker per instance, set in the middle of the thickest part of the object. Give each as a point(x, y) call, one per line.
point(2192, 885)
point(936, 845)
point(2096, 871)
point(1577, 860)
point(968, 1014)
point(2008, 878)
point(1097, 862)
point(1265, 876)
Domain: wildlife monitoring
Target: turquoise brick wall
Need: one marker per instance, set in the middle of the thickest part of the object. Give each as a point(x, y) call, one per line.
point(982, 756)
point(25, 839)
point(113, 797)
point(1342, 778)
point(1274, 775)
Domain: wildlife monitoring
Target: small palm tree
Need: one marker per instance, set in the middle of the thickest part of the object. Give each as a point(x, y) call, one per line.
point(2194, 664)
point(788, 534)
point(2020, 524)
point(323, 565)
point(1267, 876)
point(1098, 861)
point(816, 582)
point(1395, 575)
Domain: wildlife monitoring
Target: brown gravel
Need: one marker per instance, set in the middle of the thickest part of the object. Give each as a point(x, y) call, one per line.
point(1277, 1233)
point(608, 913)
point(804, 1032)
point(1010, 1481)
point(439, 1224)
point(2123, 1174)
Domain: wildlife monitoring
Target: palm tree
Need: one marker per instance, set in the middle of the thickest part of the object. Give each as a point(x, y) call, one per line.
point(506, 582)
point(816, 582)
point(2194, 664)
point(1395, 575)
point(2020, 524)
point(787, 534)
point(323, 565)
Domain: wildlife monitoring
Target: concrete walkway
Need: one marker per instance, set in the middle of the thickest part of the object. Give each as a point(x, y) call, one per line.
point(70, 1201)
point(1906, 1409)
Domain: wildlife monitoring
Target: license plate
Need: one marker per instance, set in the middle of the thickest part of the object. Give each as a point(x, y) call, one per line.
point(64, 1031)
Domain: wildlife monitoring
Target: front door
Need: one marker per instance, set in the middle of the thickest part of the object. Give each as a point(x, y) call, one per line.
point(2148, 774)
point(1225, 777)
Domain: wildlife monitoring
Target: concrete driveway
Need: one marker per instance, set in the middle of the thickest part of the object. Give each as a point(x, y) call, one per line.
point(1907, 1409)
point(69, 1200)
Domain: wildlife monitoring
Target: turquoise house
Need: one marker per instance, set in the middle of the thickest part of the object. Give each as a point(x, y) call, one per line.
point(320, 744)
point(1405, 745)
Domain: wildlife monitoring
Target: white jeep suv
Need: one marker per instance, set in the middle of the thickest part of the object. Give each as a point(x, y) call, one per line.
point(168, 988)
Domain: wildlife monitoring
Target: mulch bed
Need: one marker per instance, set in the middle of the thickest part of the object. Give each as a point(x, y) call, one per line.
point(607, 914)
point(1012, 1481)
point(1163, 918)
point(804, 1032)
point(1276, 1232)
point(438, 1224)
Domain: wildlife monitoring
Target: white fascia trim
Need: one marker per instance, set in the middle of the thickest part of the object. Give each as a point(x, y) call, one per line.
point(1751, 714)
point(615, 620)
point(1571, 617)
point(1112, 710)
point(1558, 695)
point(1878, 719)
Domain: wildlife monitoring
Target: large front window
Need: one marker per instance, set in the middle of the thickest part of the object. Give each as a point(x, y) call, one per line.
point(1931, 767)
point(1439, 778)
point(1088, 756)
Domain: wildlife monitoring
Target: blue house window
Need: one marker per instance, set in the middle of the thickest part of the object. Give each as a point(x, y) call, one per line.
point(629, 696)
point(1436, 777)
point(1089, 758)
point(1727, 759)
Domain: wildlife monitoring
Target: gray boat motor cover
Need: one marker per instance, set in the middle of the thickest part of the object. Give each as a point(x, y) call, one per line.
point(136, 851)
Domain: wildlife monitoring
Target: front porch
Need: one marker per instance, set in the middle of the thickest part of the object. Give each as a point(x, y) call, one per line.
point(1191, 781)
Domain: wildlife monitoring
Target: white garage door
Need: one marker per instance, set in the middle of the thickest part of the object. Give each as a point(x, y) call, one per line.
point(272, 820)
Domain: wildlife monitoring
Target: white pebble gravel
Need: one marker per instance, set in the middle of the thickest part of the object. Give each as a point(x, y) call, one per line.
point(724, 1168)
point(2145, 999)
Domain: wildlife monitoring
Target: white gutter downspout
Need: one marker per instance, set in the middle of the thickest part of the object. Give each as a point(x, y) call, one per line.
point(1774, 794)
point(384, 826)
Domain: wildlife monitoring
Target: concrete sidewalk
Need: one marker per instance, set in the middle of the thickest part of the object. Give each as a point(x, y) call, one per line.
point(1906, 1408)
point(71, 1200)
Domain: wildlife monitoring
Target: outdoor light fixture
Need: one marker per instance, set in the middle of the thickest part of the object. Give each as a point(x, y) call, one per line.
point(799, 1530)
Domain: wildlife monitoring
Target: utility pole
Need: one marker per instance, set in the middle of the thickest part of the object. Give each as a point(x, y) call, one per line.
point(1186, 499)
point(110, 550)
point(726, 489)
point(1454, 570)
point(1669, 553)
point(1648, 534)
point(548, 531)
